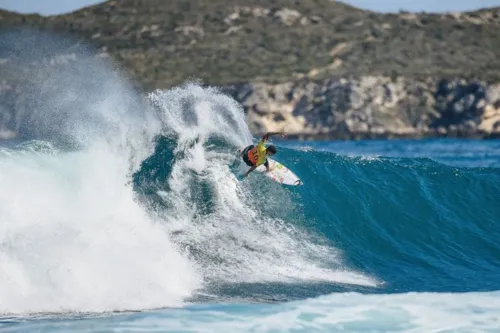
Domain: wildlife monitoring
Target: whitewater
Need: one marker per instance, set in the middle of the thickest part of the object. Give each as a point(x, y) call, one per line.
point(122, 211)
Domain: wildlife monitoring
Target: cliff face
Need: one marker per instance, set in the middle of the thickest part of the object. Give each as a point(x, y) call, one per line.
point(314, 68)
point(373, 107)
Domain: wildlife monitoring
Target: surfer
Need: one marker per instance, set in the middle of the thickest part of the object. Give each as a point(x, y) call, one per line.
point(254, 156)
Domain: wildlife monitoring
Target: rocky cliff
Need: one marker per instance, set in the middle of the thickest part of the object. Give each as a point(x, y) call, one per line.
point(314, 68)
point(373, 107)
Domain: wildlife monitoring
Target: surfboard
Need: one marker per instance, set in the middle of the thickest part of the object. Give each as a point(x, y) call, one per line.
point(280, 173)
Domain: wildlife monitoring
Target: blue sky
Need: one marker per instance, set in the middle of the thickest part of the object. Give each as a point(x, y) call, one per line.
point(50, 7)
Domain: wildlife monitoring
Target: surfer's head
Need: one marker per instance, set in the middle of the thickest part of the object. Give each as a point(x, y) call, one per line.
point(271, 150)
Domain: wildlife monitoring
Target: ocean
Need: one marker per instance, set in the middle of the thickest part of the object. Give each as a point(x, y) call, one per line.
point(122, 213)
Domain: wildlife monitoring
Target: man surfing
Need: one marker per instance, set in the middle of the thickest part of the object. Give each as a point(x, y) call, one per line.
point(254, 156)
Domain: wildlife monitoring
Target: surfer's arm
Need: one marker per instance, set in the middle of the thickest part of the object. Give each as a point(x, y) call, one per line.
point(268, 134)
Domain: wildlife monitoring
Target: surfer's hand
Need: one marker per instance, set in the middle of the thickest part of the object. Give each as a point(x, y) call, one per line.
point(282, 134)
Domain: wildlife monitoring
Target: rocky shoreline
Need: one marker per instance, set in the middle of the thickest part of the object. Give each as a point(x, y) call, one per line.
point(373, 107)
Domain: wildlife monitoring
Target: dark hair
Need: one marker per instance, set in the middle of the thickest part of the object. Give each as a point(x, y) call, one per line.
point(271, 149)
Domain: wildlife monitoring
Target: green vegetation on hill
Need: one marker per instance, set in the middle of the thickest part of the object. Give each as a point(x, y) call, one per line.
point(163, 43)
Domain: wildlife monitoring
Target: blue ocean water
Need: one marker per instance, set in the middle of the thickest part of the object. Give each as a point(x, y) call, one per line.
point(409, 231)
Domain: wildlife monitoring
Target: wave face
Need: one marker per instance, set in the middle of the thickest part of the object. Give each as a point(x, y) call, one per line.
point(416, 223)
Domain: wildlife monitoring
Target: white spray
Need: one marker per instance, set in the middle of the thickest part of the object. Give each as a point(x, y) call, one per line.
point(72, 235)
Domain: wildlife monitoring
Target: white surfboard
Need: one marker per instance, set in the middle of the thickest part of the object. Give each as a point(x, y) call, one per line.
point(280, 173)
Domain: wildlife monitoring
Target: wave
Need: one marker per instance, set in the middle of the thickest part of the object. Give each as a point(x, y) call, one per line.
point(91, 229)
point(402, 224)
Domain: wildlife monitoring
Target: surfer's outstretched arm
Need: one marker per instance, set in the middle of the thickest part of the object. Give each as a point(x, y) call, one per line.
point(268, 134)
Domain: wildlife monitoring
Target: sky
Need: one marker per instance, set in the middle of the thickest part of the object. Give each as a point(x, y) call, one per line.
point(52, 7)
